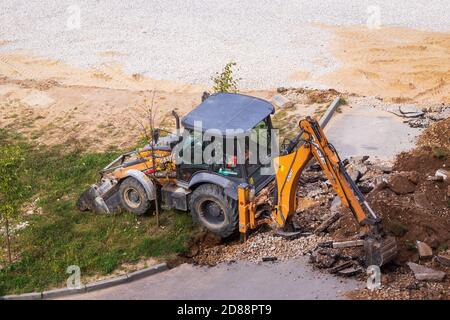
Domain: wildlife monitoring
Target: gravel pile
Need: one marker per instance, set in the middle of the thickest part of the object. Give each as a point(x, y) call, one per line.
point(189, 40)
point(259, 246)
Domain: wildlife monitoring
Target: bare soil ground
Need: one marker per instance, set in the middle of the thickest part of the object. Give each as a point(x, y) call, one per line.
point(398, 64)
point(52, 103)
point(415, 209)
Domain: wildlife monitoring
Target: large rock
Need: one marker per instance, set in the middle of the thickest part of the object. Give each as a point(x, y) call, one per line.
point(358, 159)
point(354, 174)
point(336, 204)
point(425, 252)
point(445, 174)
point(444, 259)
point(401, 184)
point(425, 274)
point(366, 187)
point(421, 200)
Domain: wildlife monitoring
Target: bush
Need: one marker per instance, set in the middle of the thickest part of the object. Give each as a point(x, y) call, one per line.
point(225, 81)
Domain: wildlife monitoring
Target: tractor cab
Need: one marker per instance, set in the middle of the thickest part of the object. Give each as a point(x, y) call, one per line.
point(228, 136)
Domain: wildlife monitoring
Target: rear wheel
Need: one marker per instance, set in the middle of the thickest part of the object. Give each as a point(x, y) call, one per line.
point(214, 210)
point(133, 196)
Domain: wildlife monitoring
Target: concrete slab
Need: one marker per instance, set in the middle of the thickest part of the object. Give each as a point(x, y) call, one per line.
point(366, 130)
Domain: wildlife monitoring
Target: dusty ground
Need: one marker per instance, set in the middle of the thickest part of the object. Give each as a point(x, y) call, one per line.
point(401, 65)
point(51, 102)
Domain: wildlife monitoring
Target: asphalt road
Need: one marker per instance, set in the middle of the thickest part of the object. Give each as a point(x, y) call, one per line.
point(294, 279)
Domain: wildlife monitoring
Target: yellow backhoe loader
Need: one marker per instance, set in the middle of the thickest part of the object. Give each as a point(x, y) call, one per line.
point(224, 195)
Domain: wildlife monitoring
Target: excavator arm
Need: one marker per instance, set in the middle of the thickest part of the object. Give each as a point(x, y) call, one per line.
point(312, 143)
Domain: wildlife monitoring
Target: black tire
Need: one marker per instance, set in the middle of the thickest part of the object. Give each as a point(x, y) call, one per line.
point(133, 196)
point(214, 210)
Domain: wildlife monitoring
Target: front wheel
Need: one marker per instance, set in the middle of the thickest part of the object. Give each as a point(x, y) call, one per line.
point(133, 196)
point(214, 210)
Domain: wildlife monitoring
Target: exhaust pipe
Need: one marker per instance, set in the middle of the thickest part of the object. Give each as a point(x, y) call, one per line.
point(177, 121)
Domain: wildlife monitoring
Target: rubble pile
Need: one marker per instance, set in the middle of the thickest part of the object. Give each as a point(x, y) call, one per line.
point(437, 136)
point(414, 202)
point(262, 246)
point(400, 284)
point(421, 118)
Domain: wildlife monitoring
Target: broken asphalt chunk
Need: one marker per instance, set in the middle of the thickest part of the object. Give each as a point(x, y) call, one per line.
point(425, 274)
point(269, 259)
point(444, 259)
point(349, 272)
point(328, 222)
point(425, 252)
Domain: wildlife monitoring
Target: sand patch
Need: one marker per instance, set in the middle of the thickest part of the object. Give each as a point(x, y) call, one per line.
point(98, 109)
point(37, 99)
point(394, 63)
point(300, 75)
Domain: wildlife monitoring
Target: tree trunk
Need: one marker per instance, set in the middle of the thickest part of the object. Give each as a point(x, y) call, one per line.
point(8, 240)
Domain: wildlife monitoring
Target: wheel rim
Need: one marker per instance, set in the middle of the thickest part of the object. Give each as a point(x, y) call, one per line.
point(132, 198)
point(211, 212)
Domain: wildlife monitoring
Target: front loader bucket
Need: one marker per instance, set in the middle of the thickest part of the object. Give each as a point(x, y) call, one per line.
point(90, 200)
point(379, 252)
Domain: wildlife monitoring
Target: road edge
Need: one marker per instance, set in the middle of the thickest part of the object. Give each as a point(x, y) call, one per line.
point(94, 286)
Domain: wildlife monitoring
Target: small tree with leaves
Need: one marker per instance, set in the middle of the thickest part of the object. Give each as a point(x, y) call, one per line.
point(225, 81)
point(11, 161)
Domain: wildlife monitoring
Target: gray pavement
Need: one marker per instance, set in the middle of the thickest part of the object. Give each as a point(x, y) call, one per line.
point(293, 279)
point(364, 129)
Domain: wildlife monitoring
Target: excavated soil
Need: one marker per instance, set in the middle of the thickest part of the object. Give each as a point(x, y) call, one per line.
point(413, 206)
point(420, 210)
point(437, 136)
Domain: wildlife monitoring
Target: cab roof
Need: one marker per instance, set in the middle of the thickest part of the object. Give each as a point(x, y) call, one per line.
point(225, 111)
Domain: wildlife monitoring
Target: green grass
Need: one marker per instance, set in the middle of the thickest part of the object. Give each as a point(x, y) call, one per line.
point(62, 236)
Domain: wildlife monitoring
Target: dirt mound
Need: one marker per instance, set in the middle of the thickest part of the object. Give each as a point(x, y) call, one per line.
point(415, 205)
point(308, 96)
point(437, 135)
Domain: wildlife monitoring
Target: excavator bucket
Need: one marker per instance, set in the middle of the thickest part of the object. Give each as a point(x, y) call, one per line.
point(379, 252)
